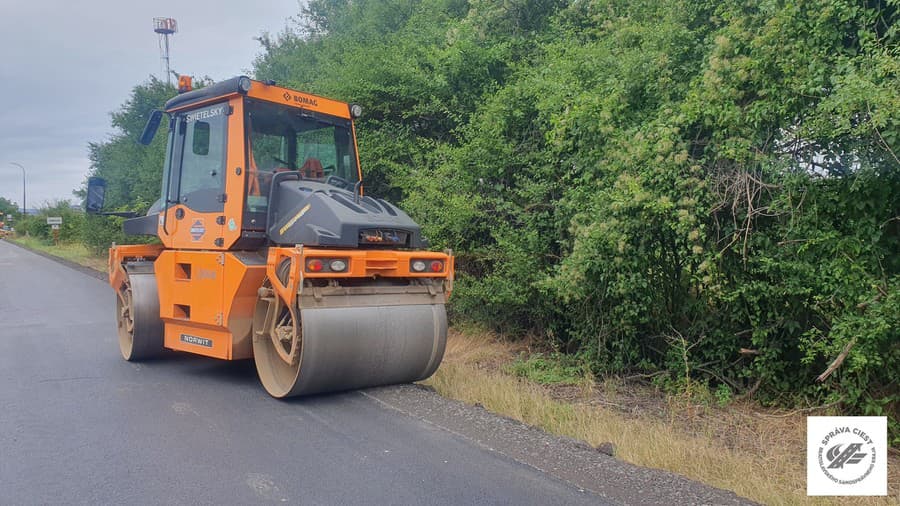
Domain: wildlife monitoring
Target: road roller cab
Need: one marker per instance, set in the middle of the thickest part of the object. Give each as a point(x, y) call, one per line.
point(268, 248)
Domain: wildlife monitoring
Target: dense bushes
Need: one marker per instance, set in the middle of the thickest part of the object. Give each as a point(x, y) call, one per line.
point(708, 189)
point(36, 225)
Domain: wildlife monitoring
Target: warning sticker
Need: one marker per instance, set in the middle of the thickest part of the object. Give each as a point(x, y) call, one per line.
point(197, 230)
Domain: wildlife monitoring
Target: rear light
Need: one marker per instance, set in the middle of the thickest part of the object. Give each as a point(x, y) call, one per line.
point(327, 265)
point(426, 264)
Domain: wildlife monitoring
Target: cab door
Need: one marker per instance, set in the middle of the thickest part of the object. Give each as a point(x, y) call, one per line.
point(194, 184)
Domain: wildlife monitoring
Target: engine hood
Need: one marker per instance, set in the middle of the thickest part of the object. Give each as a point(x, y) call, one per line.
point(317, 214)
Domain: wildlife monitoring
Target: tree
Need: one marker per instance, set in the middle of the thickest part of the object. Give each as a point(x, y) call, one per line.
point(8, 207)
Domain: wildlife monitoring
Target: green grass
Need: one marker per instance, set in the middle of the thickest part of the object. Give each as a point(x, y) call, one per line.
point(75, 252)
point(549, 369)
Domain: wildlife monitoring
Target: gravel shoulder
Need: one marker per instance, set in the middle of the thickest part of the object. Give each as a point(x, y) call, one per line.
point(567, 459)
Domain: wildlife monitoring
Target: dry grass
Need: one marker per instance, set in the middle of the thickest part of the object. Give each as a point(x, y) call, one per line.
point(74, 252)
point(765, 463)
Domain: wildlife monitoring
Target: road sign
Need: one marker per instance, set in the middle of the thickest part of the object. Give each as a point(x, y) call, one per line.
point(54, 220)
point(54, 227)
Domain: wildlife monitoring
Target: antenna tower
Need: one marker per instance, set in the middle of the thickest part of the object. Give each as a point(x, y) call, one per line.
point(165, 27)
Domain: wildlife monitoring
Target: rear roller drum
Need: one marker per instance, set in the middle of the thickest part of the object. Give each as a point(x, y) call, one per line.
point(137, 312)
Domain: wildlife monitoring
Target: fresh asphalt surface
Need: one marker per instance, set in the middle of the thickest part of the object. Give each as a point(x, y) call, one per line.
point(79, 425)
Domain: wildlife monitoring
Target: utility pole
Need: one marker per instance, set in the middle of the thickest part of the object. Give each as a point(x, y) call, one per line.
point(19, 165)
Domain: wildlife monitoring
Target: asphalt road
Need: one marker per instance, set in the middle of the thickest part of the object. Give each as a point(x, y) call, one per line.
point(79, 425)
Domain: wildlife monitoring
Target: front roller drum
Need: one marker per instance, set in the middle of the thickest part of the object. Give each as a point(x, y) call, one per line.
point(347, 348)
point(137, 311)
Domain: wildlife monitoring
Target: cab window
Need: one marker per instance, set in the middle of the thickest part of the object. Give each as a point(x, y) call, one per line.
point(201, 180)
point(318, 147)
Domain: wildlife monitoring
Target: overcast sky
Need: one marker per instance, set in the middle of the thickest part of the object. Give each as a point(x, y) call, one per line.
point(66, 64)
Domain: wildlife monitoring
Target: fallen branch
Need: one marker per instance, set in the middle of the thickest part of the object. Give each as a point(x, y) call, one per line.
point(837, 361)
point(803, 410)
point(734, 386)
point(644, 376)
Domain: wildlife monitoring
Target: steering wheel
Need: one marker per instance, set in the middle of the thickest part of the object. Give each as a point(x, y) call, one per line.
point(282, 162)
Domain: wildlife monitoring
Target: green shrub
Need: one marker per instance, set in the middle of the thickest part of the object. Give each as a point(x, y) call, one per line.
point(550, 369)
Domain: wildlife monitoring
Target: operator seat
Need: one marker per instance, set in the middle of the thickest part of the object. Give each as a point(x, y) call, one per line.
point(312, 169)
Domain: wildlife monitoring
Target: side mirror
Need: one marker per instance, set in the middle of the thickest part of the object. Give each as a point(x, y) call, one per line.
point(151, 127)
point(96, 194)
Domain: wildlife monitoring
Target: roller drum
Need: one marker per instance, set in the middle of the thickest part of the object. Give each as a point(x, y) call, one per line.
point(356, 347)
point(140, 327)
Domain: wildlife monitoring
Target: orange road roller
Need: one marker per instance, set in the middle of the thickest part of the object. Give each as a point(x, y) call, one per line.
point(269, 249)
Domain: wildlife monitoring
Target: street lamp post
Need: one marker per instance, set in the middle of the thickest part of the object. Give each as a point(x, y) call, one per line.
point(19, 165)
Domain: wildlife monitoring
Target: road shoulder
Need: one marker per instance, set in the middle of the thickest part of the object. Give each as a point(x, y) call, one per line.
point(94, 273)
point(564, 458)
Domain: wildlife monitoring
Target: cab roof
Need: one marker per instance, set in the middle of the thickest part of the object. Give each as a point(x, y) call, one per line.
point(261, 91)
point(219, 89)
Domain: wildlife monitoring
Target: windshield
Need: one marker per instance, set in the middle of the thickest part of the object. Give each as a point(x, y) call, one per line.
point(281, 138)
